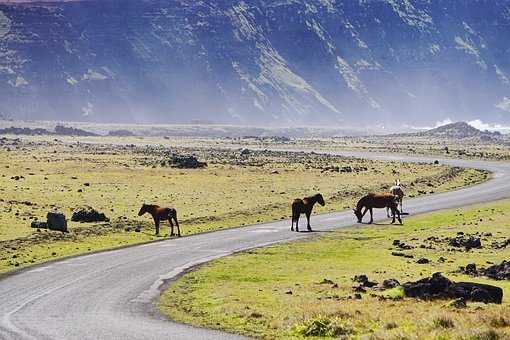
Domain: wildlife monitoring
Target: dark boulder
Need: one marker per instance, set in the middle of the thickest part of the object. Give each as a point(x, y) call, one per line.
point(390, 283)
point(363, 280)
point(439, 287)
point(39, 225)
point(88, 214)
point(56, 221)
point(467, 242)
point(187, 162)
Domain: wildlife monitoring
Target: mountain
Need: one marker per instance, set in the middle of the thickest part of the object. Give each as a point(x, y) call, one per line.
point(280, 62)
point(460, 130)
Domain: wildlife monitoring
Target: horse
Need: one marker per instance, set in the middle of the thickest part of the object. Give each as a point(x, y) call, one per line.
point(160, 214)
point(377, 200)
point(305, 205)
point(397, 191)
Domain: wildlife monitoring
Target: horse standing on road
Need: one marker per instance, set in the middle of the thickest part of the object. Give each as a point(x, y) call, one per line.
point(160, 214)
point(397, 191)
point(377, 200)
point(305, 205)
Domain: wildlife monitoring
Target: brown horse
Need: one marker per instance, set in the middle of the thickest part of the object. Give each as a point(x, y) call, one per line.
point(377, 200)
point(160, 214)
point(305, 205)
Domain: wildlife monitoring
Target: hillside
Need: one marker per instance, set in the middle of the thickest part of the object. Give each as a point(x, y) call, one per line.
point(256, 61)
point(459, 130)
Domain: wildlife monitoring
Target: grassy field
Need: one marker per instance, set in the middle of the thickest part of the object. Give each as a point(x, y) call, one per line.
point(114, 176)
point(305, 288)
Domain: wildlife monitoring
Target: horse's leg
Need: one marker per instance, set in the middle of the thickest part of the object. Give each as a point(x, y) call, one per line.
point(371, 216)
point(171, 226)
point(297, 222)
point(308, 213)
point(177, 224)
point(156, 221)
point(387, 212)
point(363, 214)
point(292, 220)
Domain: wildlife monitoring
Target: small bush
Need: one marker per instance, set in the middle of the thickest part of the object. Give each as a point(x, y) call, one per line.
point(486, 335)
point(443, 322)
point(390, 325)
point(321, 326)
point(396, 293)
point(499, 322)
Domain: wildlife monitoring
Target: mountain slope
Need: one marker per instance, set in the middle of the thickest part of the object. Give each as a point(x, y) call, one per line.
point(256, 61)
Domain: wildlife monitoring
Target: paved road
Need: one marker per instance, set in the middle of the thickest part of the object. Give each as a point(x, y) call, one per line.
point(112, 295)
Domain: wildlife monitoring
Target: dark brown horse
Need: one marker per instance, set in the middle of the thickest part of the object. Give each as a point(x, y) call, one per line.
point(160, 214)
point(305, 205)
point(377, 200)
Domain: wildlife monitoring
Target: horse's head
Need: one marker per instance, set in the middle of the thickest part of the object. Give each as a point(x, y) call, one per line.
point(143, 209)
point(320, 199)
point(358, 214)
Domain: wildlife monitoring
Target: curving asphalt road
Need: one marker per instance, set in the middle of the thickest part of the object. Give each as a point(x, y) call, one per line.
point(112, 295)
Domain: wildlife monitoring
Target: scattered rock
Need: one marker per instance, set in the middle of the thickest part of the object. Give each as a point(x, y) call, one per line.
point(39, 225)
point(363, 279)
point(467, 242)
point(56, 221)
point(402, 245)
point(400, 254)
point(497, 272)
point(138, 229)
point(423, 260)
point(326, 281)
point(501, 245)
point(439, 287)
point(359, 289)
point(88, 214)
point(390, 283)
point(187, 162)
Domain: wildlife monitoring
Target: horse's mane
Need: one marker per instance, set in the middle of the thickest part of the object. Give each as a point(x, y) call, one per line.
point(151, 205)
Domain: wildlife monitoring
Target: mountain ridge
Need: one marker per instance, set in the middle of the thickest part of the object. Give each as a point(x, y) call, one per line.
point(255, 61)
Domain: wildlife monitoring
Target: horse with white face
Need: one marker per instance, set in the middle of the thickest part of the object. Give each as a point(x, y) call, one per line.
point(397, 191)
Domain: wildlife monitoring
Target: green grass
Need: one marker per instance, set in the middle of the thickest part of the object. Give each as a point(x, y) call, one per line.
point(249, 293)
point(231, 191)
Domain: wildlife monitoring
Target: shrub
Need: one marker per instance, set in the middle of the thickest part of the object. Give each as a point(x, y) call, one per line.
point(321, 326)
point(443, 322)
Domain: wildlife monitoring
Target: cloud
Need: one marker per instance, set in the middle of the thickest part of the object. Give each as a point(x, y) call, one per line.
point(477, 123)
point(504, 104)
point(437, 124)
